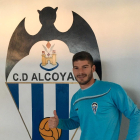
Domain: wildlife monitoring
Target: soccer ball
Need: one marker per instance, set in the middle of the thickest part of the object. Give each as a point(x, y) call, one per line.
point(47, 133)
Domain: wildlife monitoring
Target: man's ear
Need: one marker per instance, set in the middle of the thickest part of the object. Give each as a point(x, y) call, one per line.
point(93, 68)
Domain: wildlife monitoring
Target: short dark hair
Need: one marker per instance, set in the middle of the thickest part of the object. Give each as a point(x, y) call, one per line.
point(83, 55)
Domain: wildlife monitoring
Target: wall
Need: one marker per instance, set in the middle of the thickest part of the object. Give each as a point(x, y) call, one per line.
point(117, 30)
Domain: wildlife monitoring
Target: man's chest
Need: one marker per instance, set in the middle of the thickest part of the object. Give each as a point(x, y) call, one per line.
point(95, 107)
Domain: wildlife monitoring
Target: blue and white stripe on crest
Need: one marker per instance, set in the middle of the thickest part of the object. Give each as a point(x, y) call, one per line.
point(36, 101)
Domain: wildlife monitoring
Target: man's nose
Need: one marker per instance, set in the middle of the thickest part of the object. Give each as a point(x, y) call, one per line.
point(80, 71)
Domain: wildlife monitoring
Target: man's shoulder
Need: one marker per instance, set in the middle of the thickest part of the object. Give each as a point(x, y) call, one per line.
point(75, 96)
point(115, 88)
point(110, 84)
point(76, 93)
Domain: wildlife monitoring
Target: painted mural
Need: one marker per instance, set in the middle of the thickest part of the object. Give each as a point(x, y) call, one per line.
point(38, 41)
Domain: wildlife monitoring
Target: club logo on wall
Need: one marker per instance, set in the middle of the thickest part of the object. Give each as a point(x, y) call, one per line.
point(35, 101)
point(51, 56)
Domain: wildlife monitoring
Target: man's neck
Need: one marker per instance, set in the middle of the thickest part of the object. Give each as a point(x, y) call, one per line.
point(91, 82)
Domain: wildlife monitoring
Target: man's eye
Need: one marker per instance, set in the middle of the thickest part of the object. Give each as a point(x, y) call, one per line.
point(75, 68)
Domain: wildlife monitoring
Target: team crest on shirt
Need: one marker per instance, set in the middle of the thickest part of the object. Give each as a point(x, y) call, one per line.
point(94, 107)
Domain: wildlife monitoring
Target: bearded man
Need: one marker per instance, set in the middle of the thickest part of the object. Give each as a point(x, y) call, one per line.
point(97, 106)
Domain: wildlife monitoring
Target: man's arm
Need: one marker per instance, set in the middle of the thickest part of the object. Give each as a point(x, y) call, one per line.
point(130, 110)
point(66, 124)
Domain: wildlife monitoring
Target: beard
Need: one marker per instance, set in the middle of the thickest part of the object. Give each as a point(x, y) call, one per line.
point(83, 82)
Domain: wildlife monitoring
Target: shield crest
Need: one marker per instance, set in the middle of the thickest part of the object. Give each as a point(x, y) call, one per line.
point(46, 81)
point(38, 91)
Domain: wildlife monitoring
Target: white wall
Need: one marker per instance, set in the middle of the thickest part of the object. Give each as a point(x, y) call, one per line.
point(117, 30)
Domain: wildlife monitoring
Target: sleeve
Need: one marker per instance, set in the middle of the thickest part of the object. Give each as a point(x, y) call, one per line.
point(72, 122)
point(130, 110)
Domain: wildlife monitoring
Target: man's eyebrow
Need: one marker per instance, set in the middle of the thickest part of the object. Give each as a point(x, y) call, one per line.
point(82, 66)
point(85, 65)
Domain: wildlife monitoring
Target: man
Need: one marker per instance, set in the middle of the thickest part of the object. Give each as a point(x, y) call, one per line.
point(97, 106)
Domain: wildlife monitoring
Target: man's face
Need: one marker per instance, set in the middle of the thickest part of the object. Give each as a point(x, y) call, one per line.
point(83, 71)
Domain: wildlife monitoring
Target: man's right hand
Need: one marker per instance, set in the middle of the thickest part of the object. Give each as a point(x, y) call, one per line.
point(53, 121)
